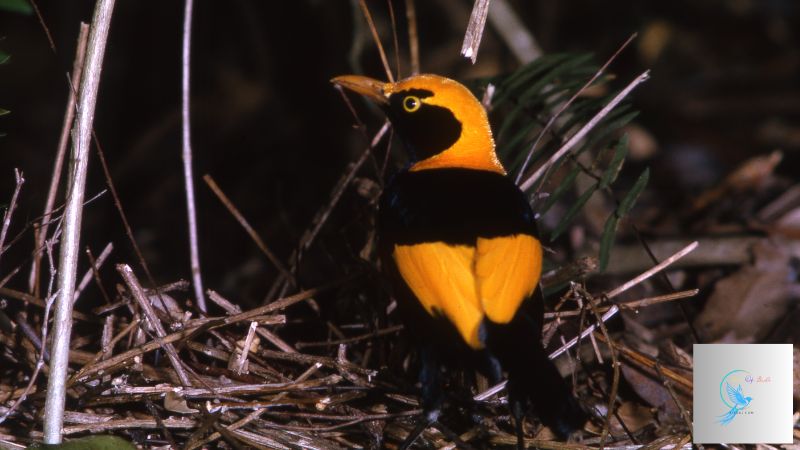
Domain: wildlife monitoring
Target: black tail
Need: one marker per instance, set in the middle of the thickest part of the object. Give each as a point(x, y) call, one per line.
point(533, 380)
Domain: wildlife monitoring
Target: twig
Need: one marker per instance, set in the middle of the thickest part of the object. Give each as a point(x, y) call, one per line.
point(207, 324)
point(230, 308)
point(68, 256)
point(12, 205)
point(251, 332)
point(649, 273)
point(580, 134)
point(94, 267)
point(612, 397)
point(44, 25)
point(245, 224)
point(39, 363)
point(395, 41)
point(63, 141)
point(647, 361)
point(648, 301)
point(186, 140)
point(477, 23)
point(571, 343)
point(144, 302)
point(257, 413)
point(413, 37)
point(322, 215)
point(377, 39)
point(511, 29)
point(668, 384)
point(96, 264)
point(567, 104)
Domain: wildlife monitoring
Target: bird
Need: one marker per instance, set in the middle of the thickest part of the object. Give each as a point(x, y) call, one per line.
point(459, 242)
point(739, 401)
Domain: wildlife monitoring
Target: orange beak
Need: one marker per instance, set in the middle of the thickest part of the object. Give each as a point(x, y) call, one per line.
point(373, 89)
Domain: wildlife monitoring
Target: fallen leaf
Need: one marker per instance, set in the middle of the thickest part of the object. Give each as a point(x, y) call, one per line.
point(746, 305)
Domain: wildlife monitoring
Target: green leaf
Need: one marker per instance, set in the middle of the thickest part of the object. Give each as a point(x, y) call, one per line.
point(17, 6)
point(607, 240)
point(614, 167)
point(4, 57)
point(3, 112)
point(573, 211)
point(562, 187)
point(627, 203)
point(89, 443)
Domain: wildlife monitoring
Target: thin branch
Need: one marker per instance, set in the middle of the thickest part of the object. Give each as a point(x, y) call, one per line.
point(37, 368)
point(568, 103)
point(413, 37)
point(395, 41)
point(245, 224)
point(12, 205)
point(322, 215)
point(654, 270)
point(580, 134)
point(188, 177)
point(508, 25)
point(477, 23)
point(144, 302)
point(44, 26)
point(92, 272)
point(571, 343)
point(377, 40)
point(58, 164)
point(68, 256)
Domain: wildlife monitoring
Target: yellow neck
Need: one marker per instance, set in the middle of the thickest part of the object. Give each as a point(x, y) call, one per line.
point(481, 157)
point(474, 149)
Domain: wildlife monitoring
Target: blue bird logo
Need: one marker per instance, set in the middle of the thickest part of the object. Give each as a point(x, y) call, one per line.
point(736, 400)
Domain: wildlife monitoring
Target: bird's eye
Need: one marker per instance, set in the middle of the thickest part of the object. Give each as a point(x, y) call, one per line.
point(411, 103)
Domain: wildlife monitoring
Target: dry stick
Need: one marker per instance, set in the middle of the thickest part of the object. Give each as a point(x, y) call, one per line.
point(44, 26)
point(580, 134)
point(513, 32)
point(571, 343)
point(667, 384)
point(566, 105)
point(37, 367)
point(68, 256)
point(413, 37)
point(245, 224)
point(139, 295)
point(230, 308)
point(12, 205)
point(648, 301)
point(377, 39)
point(395, 41)
point(604, 318)
point(649, 362)
point(649, 273)
point(188, 177)
point(63, 141)
point(322, 215)
point(477, 23)
point(93, 265)
point(207, 324)
point(257, 413)
point(612, 397)
point(251, 332)
point(92, 272)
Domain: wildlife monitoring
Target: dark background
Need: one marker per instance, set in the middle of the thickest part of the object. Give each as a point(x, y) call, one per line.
point(274, 134)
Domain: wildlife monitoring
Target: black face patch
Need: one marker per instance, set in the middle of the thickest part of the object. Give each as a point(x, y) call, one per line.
point(426, 129)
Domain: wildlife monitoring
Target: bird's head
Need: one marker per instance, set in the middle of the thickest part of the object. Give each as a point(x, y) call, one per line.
point(442, 124)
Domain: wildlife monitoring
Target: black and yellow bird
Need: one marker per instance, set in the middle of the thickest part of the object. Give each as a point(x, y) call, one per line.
point(459, 240)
